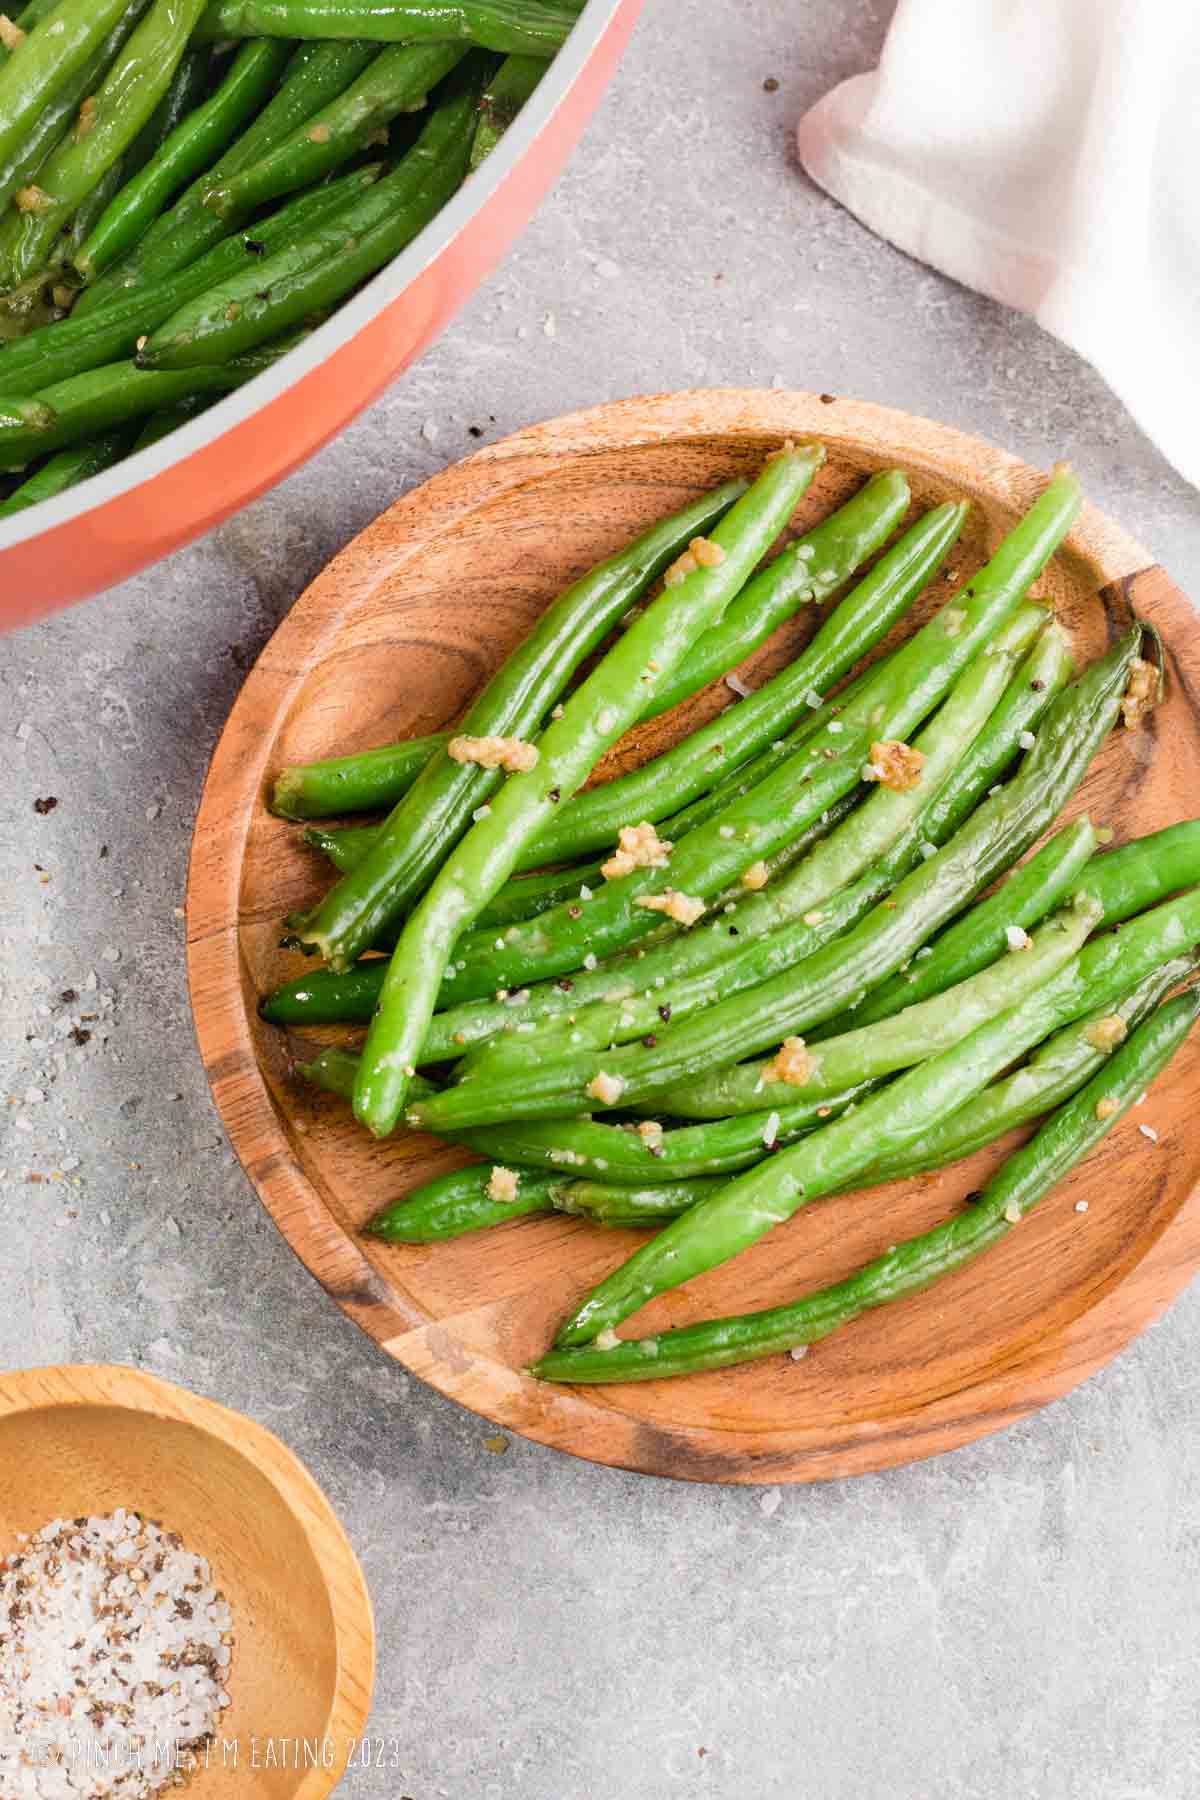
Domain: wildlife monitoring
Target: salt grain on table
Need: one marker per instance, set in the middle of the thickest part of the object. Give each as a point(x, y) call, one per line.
point(112, 1632)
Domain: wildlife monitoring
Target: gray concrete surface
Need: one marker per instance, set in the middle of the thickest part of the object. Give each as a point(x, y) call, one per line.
point(1018, 1619)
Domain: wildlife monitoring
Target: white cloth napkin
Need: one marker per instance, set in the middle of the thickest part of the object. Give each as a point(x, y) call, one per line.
point(1045, 152)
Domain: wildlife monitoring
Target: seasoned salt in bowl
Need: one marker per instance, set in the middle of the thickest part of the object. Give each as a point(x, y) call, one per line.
point(83, 1441)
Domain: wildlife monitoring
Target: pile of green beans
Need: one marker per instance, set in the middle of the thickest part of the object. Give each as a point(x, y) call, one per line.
point(184, 188)
point(839, 853)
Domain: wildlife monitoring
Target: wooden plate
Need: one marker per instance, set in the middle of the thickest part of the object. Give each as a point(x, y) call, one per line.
point(392, 639)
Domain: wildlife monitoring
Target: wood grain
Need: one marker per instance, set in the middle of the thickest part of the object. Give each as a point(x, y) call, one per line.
point(393, 638)
point(87, 1439)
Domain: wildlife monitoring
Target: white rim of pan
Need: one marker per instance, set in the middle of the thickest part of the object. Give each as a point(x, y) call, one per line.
point(350, 318)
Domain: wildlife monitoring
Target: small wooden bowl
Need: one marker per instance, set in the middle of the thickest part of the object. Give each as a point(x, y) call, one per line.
point(88, 1439)
point(391, 640)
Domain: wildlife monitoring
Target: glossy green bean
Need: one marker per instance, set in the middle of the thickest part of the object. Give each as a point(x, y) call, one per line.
point(103, 398)
point(502, 99)
point(1027, 1176)
point(374, 778)
point(20, 164)
point(810, 570)
point(316, 74)
point(327, 997)
point(426, 824)
point(592, 820)
point(453, 1204)
point(73, 347)
point(112, 118)
point(909, 685)
point(187, 152)
point(1125, 881)
point(320, 269)
point(677, 1070)
point(888, 1122)
point(594, 717)
point(832, 865)
point(397, 81)
point(362, 782)
point(528, 27)
point(66, 470)
point(58, 48)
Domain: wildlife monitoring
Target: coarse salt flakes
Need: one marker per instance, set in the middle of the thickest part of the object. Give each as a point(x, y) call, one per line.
point(607, 1339)
point(114, 1633)
point(813, 699)
point(589, 961)
point(770, 1130)
point(836, 725)
point(1012, 1212)
point(1017, 937)
point(1026, 739)
point(737, 686)
point(1081, 1206)
point(1148, 1131)
point(798, 1352)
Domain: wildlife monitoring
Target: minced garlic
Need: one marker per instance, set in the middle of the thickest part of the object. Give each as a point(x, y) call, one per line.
point(638, 847)
point(683, 908)
point(10, 34)
point(1106, 1034)
point(606, 1088)
point(651, 1133)
point(756, 876)
point(897, 765)
point(510, 753)
point(1106, 1108)
point(792, 1063)
point(1139, 693)
point(503, 1185)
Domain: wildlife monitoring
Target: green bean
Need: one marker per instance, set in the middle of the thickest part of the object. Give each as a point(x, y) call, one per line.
point(54, 353)
point(187, 152)
point(327, 997)
point(1021, 1182)
point(1054, 1071)
point(452, 1204)
point(59, 47)
point(109, 122)
point(187, 90)
point(502, 99)
point(908, 686)
point(726, 846)
point(362, 782)
point(1125, 881)
point(836, 861)
point(822, 984)
point(322, 268)
point(66, 470)
point(529, 27)
point(594, 717)
point(810, 570)
point(436, 810)
point(60, 114)
point(320, 999)
point(168, 419)
point(398, 80)
point(592, 820)
point(375, 778)
point(103, 398)
point(887, 1123)
point(316, 74)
